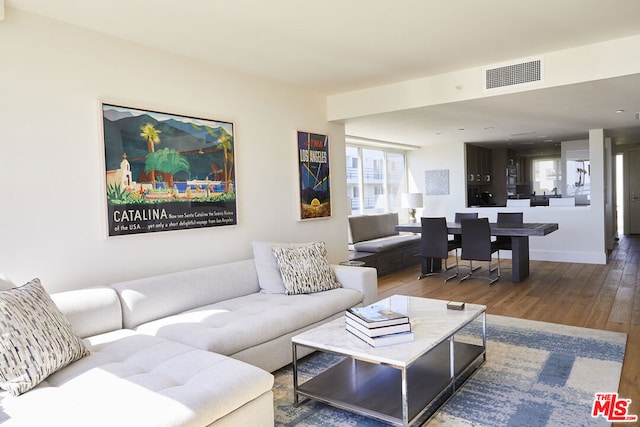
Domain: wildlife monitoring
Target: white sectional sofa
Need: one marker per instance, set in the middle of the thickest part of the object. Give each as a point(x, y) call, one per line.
point(193, 348)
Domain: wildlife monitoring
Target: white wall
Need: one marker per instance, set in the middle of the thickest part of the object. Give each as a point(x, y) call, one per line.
point(52, 218)
point(445, 156)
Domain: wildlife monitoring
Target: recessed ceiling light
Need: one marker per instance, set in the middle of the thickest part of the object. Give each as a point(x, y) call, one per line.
point(460, 128)
point(489, 128)
point(619, 111)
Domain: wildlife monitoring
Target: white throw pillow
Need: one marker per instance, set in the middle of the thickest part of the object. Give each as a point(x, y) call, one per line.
point(36, 338)
point(269, 276)
point(5, 283)
point(305, 269)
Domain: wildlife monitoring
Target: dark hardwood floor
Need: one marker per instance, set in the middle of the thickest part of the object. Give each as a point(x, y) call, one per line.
point(586, 295)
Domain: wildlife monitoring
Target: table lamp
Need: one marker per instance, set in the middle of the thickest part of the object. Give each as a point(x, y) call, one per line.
point(412, 201)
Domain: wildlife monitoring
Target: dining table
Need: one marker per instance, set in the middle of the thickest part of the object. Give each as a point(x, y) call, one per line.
point(519, 234)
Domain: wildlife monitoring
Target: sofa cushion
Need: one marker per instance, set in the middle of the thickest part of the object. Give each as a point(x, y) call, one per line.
point(91, 311)
point(151, 298)
point(36, 338)
point(269, 276)
point(5, 283)
point(305, 269)
point(231, 326)
point(132, 379)
point(386, 243)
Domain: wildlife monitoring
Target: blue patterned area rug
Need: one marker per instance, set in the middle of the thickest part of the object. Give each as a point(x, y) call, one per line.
point(536, 374)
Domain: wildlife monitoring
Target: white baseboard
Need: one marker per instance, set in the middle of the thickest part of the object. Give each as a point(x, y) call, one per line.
point(565, 256)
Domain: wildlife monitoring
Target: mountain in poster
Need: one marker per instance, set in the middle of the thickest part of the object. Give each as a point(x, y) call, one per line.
point(199, 143)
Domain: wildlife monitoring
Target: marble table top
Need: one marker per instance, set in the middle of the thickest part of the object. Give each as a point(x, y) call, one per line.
point(431, 323)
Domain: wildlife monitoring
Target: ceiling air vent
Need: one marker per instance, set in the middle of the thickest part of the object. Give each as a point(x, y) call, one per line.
point(515, 74)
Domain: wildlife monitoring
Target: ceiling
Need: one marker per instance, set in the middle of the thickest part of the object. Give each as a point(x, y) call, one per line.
point(524, 121)
point(334, 46)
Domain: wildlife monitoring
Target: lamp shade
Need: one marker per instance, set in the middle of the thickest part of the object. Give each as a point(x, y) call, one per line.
point(411, 200)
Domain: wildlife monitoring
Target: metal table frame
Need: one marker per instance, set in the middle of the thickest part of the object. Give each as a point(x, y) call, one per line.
point(365, 386)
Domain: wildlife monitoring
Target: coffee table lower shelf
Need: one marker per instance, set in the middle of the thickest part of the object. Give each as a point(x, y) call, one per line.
point(375, 390)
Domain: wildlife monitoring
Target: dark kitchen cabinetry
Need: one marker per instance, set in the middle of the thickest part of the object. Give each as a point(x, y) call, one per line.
point(504, 184)
point(479, 169)
point(479, 176)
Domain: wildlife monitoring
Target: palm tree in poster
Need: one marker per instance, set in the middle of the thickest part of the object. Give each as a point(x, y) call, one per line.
point(167, 161)
point(152, 136)
point(224, 142)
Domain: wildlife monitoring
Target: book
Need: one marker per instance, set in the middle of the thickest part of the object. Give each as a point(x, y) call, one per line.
point(382, 340)
point(382, 330)
point(375, 316)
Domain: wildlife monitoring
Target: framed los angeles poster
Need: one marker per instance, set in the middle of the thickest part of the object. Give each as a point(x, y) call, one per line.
point(166, 171)
point(313, 165)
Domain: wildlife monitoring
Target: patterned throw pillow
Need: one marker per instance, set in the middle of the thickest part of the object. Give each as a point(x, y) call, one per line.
point(269, 277)
point(36, 338)
point(305, 269)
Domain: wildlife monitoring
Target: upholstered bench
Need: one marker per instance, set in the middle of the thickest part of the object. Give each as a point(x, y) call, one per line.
point(374, 240)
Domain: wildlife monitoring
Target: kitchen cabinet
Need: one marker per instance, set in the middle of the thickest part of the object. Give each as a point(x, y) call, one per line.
point(523, 170)
point(479, 175)
point(479, 170)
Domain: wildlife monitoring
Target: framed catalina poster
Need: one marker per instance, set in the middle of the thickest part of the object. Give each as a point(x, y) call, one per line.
point(167, 172)
point(313, 164)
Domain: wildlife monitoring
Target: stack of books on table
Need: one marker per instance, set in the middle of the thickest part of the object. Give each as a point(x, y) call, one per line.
point(378, 326)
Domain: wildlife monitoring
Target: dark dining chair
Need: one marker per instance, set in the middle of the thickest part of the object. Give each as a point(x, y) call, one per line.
point(435, 244)
point(465, 215)
point(457, 238)
point(504, 242)
point(478, 246)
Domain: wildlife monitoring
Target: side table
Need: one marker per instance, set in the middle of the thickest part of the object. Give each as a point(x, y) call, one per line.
point(353, 263)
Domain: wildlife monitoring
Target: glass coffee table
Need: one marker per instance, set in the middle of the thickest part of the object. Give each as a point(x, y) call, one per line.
point(399, 383)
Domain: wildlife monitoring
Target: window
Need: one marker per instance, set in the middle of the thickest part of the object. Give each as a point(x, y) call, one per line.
point(376, 178)
point(578, 173)
point(547, 175)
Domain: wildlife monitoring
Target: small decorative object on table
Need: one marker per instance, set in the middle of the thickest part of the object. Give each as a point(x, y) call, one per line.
point(455, 305)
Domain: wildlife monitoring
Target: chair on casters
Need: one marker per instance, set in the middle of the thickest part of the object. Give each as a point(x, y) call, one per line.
point(435, 244)
point(504, 242)
point(457, 238)
point(478, 246)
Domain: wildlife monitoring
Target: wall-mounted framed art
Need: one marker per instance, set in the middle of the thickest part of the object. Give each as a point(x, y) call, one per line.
point(436, 182)
point(313, 167)
point(167, 172)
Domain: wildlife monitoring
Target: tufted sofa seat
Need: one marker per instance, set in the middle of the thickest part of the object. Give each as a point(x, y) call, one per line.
point(135, 379)
point(221, 308)
point(131, 379)
point(222, 327)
